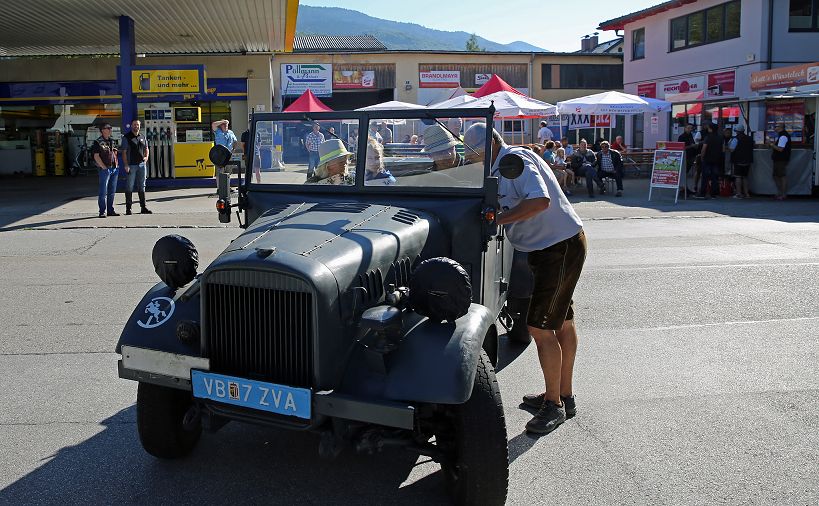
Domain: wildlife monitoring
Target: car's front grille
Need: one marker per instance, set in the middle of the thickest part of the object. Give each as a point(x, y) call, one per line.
point(259, 325)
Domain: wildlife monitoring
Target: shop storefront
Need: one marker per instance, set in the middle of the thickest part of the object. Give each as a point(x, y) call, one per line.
point(44, 126)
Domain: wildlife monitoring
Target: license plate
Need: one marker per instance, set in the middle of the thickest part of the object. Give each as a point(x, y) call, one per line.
point(252, 394)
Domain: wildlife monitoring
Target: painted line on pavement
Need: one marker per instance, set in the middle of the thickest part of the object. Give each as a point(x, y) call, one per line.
point(745, 322)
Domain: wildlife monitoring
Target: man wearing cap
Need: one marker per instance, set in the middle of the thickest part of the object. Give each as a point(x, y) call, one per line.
point(104, 152)
point(440, 146)
point(742, 156)
point(222, 134)
point(540, 221)
point(333, 164)
point(544, 134)
point(312, 141)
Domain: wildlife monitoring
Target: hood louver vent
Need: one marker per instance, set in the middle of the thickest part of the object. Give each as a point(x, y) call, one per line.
point(373, 282)
point(341, 207)
point(406, 217)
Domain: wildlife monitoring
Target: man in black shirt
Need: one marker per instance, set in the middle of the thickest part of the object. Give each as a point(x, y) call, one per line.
point(690, 151)
point(742, 156)
point(135, 155)
point(104, 153)
point(712, 156)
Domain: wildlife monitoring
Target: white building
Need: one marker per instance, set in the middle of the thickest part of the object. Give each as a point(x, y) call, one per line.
point(701, 55)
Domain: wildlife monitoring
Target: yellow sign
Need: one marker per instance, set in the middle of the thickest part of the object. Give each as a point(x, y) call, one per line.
point(165, 81)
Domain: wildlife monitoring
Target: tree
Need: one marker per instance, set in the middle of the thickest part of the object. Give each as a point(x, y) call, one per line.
point(472, 44)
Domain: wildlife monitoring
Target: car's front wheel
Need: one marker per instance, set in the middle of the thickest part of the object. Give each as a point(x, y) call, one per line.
point(160, 421)
point(476, 466)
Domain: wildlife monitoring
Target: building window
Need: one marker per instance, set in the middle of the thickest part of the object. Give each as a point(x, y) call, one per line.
point(638, 44)
point(546, 76)
point(804, 16)
point(591, 76)
point(707, 26)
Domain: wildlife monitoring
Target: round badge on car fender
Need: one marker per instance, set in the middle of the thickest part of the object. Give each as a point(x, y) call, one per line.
point(159, 310)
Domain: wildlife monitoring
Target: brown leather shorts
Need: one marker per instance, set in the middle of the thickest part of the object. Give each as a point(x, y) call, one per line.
point(556, 271)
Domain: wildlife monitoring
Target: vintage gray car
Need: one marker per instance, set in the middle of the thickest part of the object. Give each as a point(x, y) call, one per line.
point(365, 310)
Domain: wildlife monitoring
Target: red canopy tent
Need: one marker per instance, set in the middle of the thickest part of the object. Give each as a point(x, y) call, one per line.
point(307, 102)
point(494, 84)
point(727, 112)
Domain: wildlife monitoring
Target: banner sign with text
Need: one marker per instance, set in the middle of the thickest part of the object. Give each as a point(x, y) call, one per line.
point(722, 84)
point(578, 121)
point(668, 165)
point(786, 77)
point(171, 80)
point(298, 78)
point(648, 90)
point(440, 79)
point(353, 79)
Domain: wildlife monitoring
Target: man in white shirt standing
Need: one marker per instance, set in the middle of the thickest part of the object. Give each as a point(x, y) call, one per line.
point(540, 221)
point(544, 134)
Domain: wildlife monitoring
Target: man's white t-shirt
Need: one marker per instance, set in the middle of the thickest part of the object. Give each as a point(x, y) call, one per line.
point(547, 228)
point(544, 134)
point(782, 142)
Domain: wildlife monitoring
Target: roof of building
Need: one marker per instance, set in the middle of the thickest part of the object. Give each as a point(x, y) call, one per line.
point(610, 46)
point(91, 27)
point(310, 43)
point(620, 23)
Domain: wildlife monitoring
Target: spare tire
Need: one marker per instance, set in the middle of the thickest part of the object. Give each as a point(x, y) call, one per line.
point(175, 260)
point(440, 289)
point(219, 155)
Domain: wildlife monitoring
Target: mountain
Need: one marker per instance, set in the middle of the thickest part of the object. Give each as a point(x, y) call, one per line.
point(395, 35)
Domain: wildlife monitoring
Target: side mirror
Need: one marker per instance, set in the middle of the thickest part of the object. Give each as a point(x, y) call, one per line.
point(511, 166)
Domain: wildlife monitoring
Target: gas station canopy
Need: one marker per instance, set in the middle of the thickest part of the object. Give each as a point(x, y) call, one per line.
point(87, 27)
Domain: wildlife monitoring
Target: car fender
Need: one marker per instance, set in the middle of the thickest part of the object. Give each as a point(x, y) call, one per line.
point(143, 332)
point(435, 362)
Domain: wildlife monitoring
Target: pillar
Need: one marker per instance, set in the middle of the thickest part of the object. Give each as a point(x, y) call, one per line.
point(127, 59)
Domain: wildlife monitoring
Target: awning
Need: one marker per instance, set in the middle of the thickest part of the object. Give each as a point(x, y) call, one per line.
point(83, 27)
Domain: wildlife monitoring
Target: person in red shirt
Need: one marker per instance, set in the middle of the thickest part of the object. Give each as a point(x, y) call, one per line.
point(619, 145)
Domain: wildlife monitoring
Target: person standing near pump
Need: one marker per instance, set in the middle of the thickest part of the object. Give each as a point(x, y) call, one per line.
point(540, 221)
point(105, 156)
point(222, 134)
point(312, 141)
point(135, 155)
point(781, 155)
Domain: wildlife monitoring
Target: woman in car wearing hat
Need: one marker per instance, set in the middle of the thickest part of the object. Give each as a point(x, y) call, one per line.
point(440, 146)
point(333, 166)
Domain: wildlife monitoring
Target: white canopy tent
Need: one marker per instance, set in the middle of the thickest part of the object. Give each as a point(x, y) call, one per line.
point(612, 102)
point(392, 105)
point(510, 105)
point(454, 102)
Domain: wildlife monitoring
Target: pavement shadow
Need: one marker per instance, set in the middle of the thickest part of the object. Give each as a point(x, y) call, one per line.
point(26, 197)
point(508, 351)
point(241, 464)
point(48, 223)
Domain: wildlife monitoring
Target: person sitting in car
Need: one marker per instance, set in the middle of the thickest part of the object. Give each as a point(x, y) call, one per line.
point(440, 146)
point(334, 164)
point(375, 173)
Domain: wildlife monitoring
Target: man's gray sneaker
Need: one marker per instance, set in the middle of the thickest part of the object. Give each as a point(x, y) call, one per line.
point(547, 419)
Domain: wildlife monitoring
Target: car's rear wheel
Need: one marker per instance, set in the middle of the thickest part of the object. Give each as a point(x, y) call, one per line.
point(160, 421)
point(476, 467)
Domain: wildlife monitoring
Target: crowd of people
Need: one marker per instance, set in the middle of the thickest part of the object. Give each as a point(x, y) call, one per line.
point(719, 162)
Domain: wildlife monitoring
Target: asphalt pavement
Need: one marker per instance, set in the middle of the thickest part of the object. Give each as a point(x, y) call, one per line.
point(696, 378)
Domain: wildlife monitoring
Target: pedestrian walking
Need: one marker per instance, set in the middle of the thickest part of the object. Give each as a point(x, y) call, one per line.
point(104, 152)
point(135, 154)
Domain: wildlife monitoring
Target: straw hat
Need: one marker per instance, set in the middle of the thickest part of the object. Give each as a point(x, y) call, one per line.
point(437, 138)
point(331, 149)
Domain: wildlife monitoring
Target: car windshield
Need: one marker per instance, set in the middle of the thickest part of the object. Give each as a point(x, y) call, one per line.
point(427, 152)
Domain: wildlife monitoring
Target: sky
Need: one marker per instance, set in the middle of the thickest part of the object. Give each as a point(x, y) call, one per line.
point(552, 25)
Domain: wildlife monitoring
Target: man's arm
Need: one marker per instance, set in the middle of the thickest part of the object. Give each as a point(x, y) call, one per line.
point(523, 211)
point(98, 161)
point(215, 125)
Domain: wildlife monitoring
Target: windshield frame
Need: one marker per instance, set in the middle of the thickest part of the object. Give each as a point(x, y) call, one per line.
point(364, 118)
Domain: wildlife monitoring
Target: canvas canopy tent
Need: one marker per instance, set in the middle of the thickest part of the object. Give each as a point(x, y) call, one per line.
point(392, 105)
point(513, 106)
point(307, 102)
point(494, 85)
point(612, 102)
point(454, 102)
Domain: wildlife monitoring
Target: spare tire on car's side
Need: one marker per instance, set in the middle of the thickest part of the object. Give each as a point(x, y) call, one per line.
point(440, 289)
point(175, 260)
